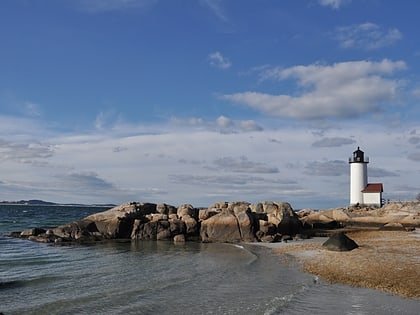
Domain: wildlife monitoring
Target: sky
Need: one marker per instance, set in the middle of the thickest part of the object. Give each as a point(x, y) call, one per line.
point(200, 101)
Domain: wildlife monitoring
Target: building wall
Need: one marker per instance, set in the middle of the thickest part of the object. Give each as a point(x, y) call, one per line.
point(358, 182)
point(373, 199)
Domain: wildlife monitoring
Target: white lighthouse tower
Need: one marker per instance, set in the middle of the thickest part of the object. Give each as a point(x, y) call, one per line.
point(358, 176)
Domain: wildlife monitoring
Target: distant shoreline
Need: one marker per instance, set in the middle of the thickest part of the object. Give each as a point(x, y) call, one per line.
point(46, 203)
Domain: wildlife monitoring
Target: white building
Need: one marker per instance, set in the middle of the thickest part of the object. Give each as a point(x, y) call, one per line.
point(361, 192)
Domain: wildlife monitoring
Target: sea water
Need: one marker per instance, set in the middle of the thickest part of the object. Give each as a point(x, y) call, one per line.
point(151, 277)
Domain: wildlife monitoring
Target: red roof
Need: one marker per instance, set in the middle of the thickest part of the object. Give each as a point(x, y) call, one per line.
point(373, 188)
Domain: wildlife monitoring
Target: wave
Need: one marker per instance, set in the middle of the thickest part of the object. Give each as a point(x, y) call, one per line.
point(19, 283)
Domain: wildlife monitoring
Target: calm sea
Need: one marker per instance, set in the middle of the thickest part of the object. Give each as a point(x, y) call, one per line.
point(161, 277)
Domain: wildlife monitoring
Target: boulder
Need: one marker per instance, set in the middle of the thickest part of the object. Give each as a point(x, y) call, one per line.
point(118, 221)
point(32, 232)
point(232, 223)
point(78, 230)
point(187, 210)
point(146, 231)
point(204, 214)
point(163, 208)
point(177, 226)
point(180, 238)
point(340, 242)
point(222, 227)
point(191, 225)
point(279, 214)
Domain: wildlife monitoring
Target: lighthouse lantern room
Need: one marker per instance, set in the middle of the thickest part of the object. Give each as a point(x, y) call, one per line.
point(362, 193)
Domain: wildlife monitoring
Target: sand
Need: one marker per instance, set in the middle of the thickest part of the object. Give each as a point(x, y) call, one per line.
point(385, 260)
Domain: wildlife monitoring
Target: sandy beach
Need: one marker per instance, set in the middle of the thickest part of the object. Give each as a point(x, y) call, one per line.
point(385, 260)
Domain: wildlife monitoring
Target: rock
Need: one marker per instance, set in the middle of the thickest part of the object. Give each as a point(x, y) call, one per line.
point(204, 214)
point(32, 232)
point(304, 212)
point(191, 225)
point(177, 226)
point(285, 238)
point(245, 225)
point(187, 210)
point(163, 208)
point(232, 223)
point(222, 227)
point(180, 238)
point(267, 228)
point(147, 231)
point(78, 230)
point(118, 221)
point(221, 222)
point(395, 226)
point(267, 239)
point(340, 242)
point(163, 235)
point(279, 214)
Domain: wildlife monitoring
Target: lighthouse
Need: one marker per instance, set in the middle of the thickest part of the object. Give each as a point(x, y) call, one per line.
point(362, 193)
point(358, 176)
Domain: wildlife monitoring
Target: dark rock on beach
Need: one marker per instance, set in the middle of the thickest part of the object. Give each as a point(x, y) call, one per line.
point(340, 242)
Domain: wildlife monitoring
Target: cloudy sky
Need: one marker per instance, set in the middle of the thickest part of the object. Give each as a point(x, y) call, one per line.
point(209, 100)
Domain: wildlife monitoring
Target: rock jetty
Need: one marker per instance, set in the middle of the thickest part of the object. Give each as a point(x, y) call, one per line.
point(229, 222)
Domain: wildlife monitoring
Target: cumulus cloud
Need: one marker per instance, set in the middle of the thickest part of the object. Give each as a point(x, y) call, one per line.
point(341, 90)
point(367, 36)
point(243, 165)
point(333, 142)
point(335, 4)
point(217, 60)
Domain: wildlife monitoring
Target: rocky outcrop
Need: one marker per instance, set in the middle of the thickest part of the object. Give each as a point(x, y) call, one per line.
point(233, 222)
point(221, 222)
point(403, 215)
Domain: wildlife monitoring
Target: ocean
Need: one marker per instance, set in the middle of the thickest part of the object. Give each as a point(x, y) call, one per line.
point(149, 277)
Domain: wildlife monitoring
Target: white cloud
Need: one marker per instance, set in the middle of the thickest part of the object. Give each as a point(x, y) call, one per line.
point(24, 152)
point(335, 4)
point(217, 60)
point(367, 36)
point(222, 124)
point(216, 8)
point(342, 90)
point(174, 164)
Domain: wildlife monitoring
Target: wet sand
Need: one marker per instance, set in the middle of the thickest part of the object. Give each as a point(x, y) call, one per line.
point(385, 260)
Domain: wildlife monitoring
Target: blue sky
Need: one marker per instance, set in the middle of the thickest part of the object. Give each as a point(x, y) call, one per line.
point(207, 100)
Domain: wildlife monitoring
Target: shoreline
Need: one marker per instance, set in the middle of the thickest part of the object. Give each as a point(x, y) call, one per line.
point(385, 260)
